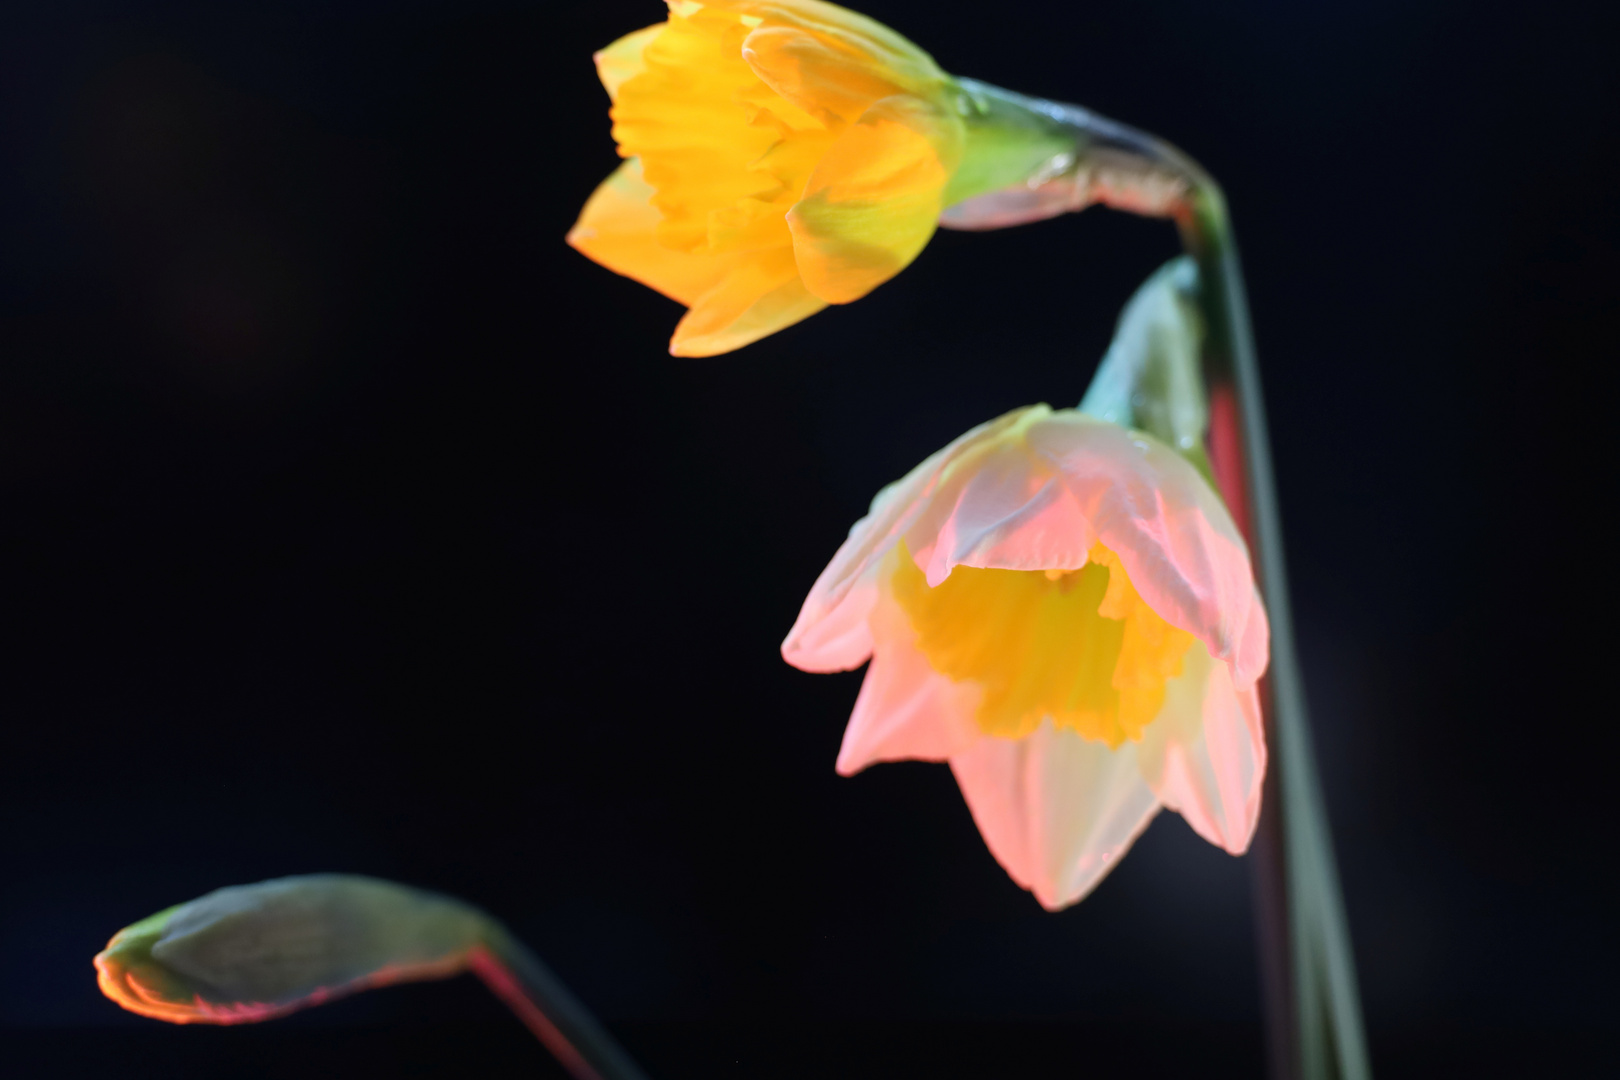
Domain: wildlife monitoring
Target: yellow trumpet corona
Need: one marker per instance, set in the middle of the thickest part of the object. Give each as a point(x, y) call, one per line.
point(783, 155)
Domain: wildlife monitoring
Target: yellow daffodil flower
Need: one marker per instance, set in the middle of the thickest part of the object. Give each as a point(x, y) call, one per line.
point(783, 155)
point(1064, 611)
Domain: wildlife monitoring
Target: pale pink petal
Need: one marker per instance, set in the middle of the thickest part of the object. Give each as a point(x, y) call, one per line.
point(1013, 513)
point(1049, 487)
point(1056, 810)
point(1171, 531)
point(834, 637)
point(1254, 646)
point(1205, 754)
point(906, 710)
point(1034, 490)
point(850, 577)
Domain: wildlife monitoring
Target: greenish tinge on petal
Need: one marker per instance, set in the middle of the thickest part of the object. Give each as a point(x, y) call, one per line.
point(1150, 377)
point(250, 952)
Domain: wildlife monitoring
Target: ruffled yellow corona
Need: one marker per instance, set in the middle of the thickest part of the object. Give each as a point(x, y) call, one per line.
point(1076, 646)
point(783, 155)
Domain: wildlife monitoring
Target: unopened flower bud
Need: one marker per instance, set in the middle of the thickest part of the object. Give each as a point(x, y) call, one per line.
point(251, 952)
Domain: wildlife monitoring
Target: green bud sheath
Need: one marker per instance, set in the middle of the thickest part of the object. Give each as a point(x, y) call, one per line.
point(1150, 379)
point(251, 952)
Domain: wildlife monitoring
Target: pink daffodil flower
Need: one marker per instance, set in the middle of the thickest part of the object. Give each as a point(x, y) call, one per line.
point(1063, 610)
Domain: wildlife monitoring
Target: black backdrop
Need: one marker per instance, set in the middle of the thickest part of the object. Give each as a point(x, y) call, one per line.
point(350, 521)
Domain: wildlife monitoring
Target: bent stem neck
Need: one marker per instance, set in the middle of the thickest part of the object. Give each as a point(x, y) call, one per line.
point(1026, 159)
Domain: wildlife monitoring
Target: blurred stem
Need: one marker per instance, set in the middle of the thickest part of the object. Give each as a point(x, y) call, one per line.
point(1321, 1036)
point(1313, 1016)
point(544, 1004)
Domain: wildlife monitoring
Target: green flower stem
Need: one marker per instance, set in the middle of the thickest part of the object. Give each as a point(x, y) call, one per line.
point(1328, 1038)
point(1314, 1018)
point(557, 1018)
point(1026, 159)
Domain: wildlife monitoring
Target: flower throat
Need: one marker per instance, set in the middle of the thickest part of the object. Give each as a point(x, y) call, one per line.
point(1078, 646)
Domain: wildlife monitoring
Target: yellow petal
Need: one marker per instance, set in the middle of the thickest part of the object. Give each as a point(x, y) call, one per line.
point(759, 222)
point(681, 117)
point(826, 83)
point(617, 229)
point(874, 199)
point(622, 59)
point(761, 295)
point(750, 225)
point(849, 35)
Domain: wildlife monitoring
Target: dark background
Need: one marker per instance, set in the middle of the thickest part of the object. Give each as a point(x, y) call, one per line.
point(351, 521)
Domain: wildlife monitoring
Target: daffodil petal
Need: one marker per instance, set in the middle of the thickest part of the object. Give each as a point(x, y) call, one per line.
point(1248, 661)
point(997, 506)
point(834, 85)
point(616, 229)
point(732, 138)
point(874, 199)
point(1056, 810)
point(1172, 533)
point(622, 60)
point(1014, 512)
point(1123, 489)
point(1034, 490)
point(906, 711)
point(682, 117)
point(848, 37)
point(833, 634)
point(1204, 756)
point(830, 633)
point(760, 295)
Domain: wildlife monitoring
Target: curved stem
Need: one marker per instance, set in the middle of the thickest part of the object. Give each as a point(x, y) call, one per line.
point(1064, 158)
point(549, 1010)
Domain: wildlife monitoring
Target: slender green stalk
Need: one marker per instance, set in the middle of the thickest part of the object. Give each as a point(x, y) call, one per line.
point(557, 1018)
point(1329, 1037)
